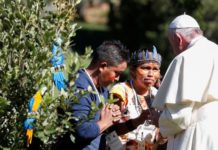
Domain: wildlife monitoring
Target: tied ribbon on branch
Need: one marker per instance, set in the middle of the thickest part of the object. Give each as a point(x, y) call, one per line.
point(34, 106)
point(58, 65)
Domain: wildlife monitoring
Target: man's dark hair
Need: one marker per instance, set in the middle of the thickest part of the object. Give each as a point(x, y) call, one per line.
point(113, 52)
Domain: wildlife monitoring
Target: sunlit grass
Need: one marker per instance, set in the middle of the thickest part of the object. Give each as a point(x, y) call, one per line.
point(93, 26)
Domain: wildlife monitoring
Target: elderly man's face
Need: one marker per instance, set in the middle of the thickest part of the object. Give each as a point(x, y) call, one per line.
point(171, 38)
point(177, 42)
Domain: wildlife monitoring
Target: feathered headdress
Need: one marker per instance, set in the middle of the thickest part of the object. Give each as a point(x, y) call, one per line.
point(141, 56)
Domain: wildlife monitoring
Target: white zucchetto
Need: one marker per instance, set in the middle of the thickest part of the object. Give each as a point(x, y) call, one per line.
point(184, 21)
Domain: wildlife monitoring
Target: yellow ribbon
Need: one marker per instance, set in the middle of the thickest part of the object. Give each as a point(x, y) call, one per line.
point(29, 134)
point(37, 101)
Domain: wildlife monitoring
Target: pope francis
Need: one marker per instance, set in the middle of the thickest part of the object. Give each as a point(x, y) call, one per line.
point(188, 96)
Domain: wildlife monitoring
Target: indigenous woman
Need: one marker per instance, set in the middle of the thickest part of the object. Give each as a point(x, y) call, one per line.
point(135, 97)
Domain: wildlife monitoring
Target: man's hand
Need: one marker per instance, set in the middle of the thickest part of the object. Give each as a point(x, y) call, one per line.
point(116, 112)
point(159, 138)
point(110, 114)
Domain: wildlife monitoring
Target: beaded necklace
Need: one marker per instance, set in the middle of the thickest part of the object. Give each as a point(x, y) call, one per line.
point(93, 85)
point(138, 105)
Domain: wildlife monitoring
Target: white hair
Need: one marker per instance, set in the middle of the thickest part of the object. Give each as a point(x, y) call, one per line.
point(186, 32)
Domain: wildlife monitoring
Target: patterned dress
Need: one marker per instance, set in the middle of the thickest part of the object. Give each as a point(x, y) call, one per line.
point(142, 138)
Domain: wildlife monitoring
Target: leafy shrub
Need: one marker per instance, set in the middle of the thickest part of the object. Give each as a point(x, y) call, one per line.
point(27, 31)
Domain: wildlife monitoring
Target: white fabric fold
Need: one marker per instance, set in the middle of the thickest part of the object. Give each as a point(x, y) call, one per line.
point(192, 76)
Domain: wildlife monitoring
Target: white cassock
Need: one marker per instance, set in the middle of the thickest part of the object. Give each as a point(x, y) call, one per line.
point(188, 98)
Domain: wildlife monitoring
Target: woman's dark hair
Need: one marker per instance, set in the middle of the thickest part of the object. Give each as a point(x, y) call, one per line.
point(113, 52)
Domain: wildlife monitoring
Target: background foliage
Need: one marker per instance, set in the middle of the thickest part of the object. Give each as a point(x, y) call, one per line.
point(142, 23)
